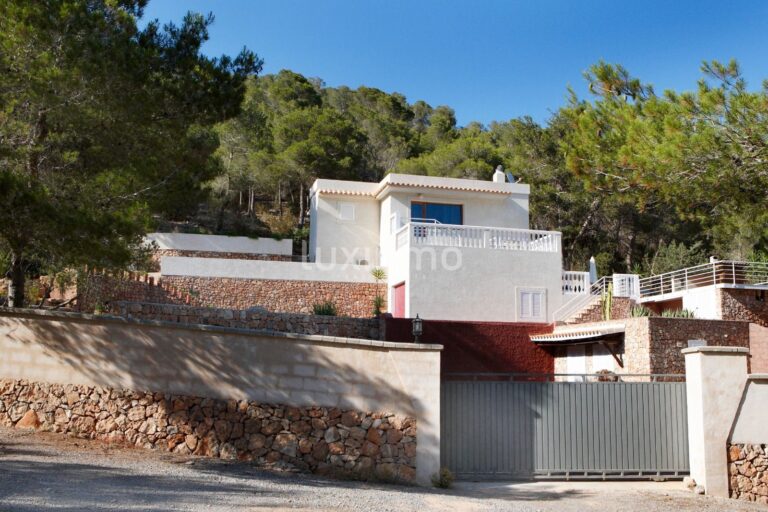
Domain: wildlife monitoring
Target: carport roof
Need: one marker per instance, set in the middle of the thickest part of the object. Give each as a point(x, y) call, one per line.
point(575, 335)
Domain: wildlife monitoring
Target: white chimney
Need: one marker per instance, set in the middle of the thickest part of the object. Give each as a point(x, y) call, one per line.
point(498, 175)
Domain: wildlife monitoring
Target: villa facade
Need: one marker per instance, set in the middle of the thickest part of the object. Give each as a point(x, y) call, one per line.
point(452, 248)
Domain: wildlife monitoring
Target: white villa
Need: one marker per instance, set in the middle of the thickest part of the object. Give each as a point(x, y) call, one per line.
point(454, 249)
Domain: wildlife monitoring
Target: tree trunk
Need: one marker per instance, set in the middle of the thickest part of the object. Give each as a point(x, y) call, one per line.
point(16, 285)
point(301, 205)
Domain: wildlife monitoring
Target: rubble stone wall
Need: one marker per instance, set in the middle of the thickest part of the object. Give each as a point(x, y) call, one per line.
point(746, 305)
point(351, 299)
point(318, 439)
point(364, 328)
point(668, 336)
point(748, 470)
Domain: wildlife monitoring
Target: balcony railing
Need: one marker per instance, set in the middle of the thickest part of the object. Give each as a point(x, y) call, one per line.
point(477, 237)
point(727, 273)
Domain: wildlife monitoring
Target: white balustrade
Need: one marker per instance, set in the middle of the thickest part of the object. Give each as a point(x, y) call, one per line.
point(479, 237)
point(575, 283)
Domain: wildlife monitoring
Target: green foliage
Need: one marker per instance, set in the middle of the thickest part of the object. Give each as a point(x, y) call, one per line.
point(103, 123)
point(378, 305)
point(674, 256)
point(606, 301)
point(327, 308)
point(443, 479)
point(378, 274)
point(677, 313)
point(640, 311)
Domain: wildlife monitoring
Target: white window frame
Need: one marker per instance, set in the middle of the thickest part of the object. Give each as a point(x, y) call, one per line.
point(542, 316)
point(340, 209)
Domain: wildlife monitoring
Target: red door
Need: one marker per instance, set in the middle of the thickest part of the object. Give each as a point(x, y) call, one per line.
point(398, 294)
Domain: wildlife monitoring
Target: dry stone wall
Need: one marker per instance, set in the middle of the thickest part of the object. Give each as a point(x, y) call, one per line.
point(748, 470)
point(747, 305)
point(339, 326)
point(318, 439)
point(351, 299)
point(668, 336)
point(160, 253)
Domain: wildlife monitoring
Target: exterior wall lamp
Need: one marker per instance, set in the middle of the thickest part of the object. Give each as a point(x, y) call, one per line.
point(418, 328)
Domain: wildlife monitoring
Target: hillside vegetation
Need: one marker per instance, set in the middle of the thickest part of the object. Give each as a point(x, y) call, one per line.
point(645, 182)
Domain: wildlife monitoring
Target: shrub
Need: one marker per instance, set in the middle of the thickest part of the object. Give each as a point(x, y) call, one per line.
point(678, 313)
point(326, 308)
point(378, 305)
point(443, 479)
point(639, 311)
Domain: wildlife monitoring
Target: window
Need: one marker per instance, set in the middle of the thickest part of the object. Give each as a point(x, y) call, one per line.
point(346, 211)
point(532, 305)
point(442, 213)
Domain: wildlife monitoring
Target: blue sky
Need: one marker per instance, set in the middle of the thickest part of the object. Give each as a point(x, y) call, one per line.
point(489, 60)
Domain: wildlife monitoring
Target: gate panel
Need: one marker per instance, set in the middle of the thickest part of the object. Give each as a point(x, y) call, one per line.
point(522, 429)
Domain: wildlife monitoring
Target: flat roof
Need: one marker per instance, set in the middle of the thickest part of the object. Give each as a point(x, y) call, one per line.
point(587, 334)
point(392, 181)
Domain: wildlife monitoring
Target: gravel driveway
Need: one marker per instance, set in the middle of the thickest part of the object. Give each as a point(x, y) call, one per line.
point(40, 471)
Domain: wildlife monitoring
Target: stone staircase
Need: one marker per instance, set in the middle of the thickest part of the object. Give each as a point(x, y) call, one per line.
point(593, 311)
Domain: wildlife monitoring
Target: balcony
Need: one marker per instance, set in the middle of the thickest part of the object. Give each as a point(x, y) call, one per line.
point(431, 234)
point(728, 274)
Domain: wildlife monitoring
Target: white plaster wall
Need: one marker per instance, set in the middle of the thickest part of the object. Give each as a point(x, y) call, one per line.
point(492, 210)
point(253, 269)
point(218, 243)
point(751, 423)
point(703, 302)
point(714, 380)
point(483, 287)
point(342, 241)
point(299, 370)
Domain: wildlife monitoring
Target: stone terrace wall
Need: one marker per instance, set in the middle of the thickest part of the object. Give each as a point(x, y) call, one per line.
point(225, 255)
point(668, 336)
point(479, 346)
point(316, 439)
point(743, 305)
point(653, 345)
point(296, 370)
point(351, 299)
point(364, 328)
point(748, 470)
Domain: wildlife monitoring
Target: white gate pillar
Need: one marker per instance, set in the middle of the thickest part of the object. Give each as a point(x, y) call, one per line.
point(715, 378)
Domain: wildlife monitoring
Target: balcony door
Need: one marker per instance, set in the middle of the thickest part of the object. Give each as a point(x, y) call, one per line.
point(437, 212)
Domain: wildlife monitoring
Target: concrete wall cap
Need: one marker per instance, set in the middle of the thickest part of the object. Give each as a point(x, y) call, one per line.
point(716, 350)
point(315, 338)
point(757, 376)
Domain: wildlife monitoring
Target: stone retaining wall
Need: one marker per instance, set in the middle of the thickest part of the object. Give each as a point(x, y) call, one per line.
point(318, 439)
point(668, 336)
point(351, 299)
point(364, 328)
point(747, 305)
point(652, 345)
point(748, 470)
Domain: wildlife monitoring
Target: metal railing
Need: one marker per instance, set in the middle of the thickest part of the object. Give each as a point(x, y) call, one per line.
point(582, 301)
point(480, 237)
point(733, 273)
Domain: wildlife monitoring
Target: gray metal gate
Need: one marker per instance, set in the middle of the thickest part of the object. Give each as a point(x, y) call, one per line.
point(562, 429)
